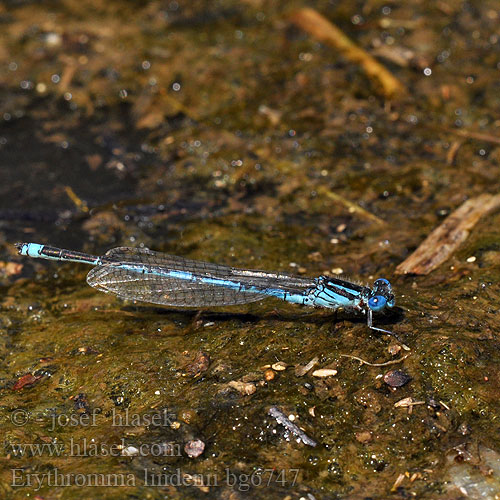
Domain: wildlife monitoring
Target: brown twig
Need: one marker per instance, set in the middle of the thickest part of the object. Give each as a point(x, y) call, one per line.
point(446, 238)
point(352, 207)
point(79, 203)
point(321, 28)
point(452, 152)
point(363, 362)
point(475, 135)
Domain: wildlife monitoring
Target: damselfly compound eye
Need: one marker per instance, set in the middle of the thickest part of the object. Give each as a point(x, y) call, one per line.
point(377, 303)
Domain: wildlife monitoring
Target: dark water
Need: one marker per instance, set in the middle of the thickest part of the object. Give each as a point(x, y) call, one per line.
point(220, 131)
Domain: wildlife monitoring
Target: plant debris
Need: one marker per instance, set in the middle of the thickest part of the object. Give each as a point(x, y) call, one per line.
point(446, 238)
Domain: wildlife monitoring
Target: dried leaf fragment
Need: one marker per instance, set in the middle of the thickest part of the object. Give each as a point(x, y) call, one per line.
point(407, 402)
point(246, 388)
point(301, 370)
point(199, 365)
point(26, 381)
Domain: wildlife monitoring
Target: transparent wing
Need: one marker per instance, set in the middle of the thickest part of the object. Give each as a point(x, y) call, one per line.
point(114, 276)
point(166, 291)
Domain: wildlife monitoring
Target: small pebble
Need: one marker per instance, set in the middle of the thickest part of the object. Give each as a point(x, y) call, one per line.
point(194, 448)
point(324, 372)
point(364, 436)
point(394, 349)
point(187, 416)
point(315, 257)
point(130, 451)
point(269, 375)
point(246, 388)
point(464, 429)
point(53, 39)
point(396, 378)
point(279, 366)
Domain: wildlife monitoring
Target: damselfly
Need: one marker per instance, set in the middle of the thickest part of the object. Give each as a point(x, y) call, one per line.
point(143, 275)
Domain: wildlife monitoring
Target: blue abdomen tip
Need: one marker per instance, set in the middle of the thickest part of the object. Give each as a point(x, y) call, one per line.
point(29, 249)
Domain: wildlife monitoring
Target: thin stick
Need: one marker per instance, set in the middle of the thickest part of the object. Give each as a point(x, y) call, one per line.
point(321, 28)
point(363, 362)
point(352, 207)
point(79, 203)
point(452, 152)
point(447, 237)
point(282, 419)
point(475, 135)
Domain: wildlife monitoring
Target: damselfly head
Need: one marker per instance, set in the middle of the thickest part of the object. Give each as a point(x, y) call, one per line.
point(381, 295)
